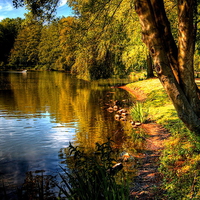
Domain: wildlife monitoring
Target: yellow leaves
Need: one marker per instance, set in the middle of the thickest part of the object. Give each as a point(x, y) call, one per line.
point(134, 55)
point(173, 142)
point(103, 49)
point(66, 26)
point(196, 158)
point(184, 169)
point(187, 146)
point(181, 160)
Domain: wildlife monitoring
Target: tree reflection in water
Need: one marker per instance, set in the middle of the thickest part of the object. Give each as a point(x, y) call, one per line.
point(47, 110)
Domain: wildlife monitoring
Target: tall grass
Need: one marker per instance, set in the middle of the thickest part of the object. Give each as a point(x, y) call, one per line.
point(89, 177)
point(139, 112)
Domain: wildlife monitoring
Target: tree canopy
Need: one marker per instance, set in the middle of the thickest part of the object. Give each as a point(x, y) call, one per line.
point(91, 45)
point(42, 9)
point(105, 39)
point(8, 32)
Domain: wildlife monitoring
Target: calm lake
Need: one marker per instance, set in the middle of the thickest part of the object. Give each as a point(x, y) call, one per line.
point(41, 112)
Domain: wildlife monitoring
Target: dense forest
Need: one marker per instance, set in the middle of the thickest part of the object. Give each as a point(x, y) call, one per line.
point(92, 44)
point(89, 46)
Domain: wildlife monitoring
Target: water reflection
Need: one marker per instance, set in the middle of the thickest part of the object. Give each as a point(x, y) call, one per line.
point(42, 111)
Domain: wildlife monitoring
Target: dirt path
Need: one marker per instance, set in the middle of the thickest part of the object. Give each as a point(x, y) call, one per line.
point(148, 178)
point(137, 93)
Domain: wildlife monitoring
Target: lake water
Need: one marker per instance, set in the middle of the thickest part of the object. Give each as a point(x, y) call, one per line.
point(41, 112)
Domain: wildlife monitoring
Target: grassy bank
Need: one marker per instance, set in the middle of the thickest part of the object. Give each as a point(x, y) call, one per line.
point(180, 160)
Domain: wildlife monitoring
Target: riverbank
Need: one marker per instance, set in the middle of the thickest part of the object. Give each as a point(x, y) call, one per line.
point(170, 165)
point(148, 176)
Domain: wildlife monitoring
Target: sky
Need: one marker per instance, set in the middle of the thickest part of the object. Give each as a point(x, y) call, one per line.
point(8, 11)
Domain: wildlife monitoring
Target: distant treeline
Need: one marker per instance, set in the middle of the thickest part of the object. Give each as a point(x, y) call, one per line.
point(98, 42)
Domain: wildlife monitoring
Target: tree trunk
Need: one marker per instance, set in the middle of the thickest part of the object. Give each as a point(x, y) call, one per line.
point(150, 73)
point(158, 38)
point(186, 49)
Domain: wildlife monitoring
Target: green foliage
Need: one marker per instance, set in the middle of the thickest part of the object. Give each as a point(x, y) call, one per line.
point(25, 51)
point(180, 165)
point(104, 38)
point(113, 28)
point(90, 176)
point(102, 41)
point(40, 9)
point(180, 159)
point(49, 47)
point(139, 112)
point(8, 32)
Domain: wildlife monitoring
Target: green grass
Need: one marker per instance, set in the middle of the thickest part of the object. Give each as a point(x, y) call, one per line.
point(139, 113)
point(180, 160)
point(158, 104)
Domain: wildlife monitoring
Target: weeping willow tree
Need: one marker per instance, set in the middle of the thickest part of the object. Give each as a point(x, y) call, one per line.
point(100, 44)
